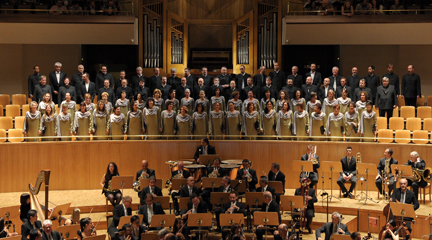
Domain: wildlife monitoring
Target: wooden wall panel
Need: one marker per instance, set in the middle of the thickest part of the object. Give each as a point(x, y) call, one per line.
point(81, 165)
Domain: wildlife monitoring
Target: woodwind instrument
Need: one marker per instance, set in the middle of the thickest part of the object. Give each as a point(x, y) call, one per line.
point(304, 193)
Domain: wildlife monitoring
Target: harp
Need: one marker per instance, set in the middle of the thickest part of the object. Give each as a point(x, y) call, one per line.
point(43, 177)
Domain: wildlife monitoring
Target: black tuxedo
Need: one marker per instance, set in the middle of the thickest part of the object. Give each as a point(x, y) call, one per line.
point(208, 80)
point(372, 82)
point(157, 210)
point(353, 82)
point(394, 81)
point(100, 79)
point(297, 81)
point(349, 168)
point(128, 90)
point(54, 234)
point(273, 91)
point(313, 176)
point(180, 91)
point(67, 89)
point(145, 93)
point(317, 79)
point(174, 81)
point(357, 91)
point(327, 228)
point(310, 210)
point(255, 89)
point(291, 91)
point(199, 150)
point(224, 79)
point(190, 80)
point(322, 94)
point(118, 84)
point(111, 95)
point(152, 82)
point(136, 79)
point(422, 183)
point(40, 91)
point(333, 79)
point(339, 91)
point(307, 90)
point(118, 212)
point(33, 81)
point(278, 79)
point(380, 169)
point(252, 187)
point(184, 191)
point(259, 80)
point(196, 91)
point(157, 191)
point(411, 88)
point(76, 79)
point(164, 90)
point(273, 207)
point(242, 80)
point(81, 91)
point(222, 172)
point(55, 85)
point(27, 227)
point(385, 100)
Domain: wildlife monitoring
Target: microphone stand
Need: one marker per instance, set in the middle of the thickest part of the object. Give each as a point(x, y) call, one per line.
point(322, 195)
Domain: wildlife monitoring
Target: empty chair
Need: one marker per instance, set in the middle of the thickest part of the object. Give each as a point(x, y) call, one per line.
point(420, 101)
point(424, 112)
point(2, 135)
point(401, 101)
point(13, 111)
point(381, 123)
point(429, 101)
point(403, 136)
point(427, 124)
point(413, 124)
point(19, 122)
point(6, 123)
point(57, 109)
point(77, 107)
point(19, 99)
point(25, 108)
point(420, 137)
point(1, 110)
point(396, 112)
point(4, 99)
point(385, 136)
point(396, 123)
point(15, 135)
point(407, 112)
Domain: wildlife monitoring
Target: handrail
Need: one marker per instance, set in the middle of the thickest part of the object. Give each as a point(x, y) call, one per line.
point(69, 12)
point(372, 12)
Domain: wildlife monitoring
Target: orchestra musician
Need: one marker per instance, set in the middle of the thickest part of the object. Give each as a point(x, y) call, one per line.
point(86, 227)
point(118, 212)
point(225, 187)
point(204, 149)
point(416, 163)
point(183, 174)
point(247, 173)
point(310, 208)
point(349, 173)
point(309, 156)
point(403, 195)
point(263, 182)
point(148, 209)
point(34, 234)
point(385, 172)
point(127, 232)
point(48, 233)
point(31, 223)
point(190, 189)
point(332, 227)
point(276, 175)
point(233, 206)
point(179, 230)
point(356, 236)
point(390, 228)
point(4, 230)
point(145, 172)
point(268, 206)
point(137, 228)
point(152, 189)
point(283, 234)
point(194, 206)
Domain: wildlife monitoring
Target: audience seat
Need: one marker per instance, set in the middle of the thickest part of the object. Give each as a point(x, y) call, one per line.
point(25, 108)
point(6, 123)
point(429, 101)
point(402, 136)
point(29, 100)
point(396, 112)
point(77, 106)
point(1, 110)
point(385, 136)
point(57, 109)
point(19, 99)
point(407, 112)
point(19, 122)
point(420, 101)
point(401, 101)
point(381, 123)
point(427, 124)
point(376, 110)
point(13, 111)
point(413, 124)
point(396, 123)
point(420, 137)
point(4, 99)
point(2, 135)
point(15, 135)
point(424, 112)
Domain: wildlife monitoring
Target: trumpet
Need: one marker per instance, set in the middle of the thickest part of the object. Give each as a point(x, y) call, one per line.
point(213, 174)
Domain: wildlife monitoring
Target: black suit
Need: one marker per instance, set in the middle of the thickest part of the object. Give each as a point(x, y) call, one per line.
point(357, 91)
point(118, 212)
point(100, 79)
point(273, 207)
point(278, 79)
point(317, 79)
point(111, 95)
point(297, 81)
point(222, 172)
point(279, 177)
point(33, 81)
point(190, 80)
point(228, 93)
point(348, 168)
point(255, 89)
point(225, 208)
point(118, 84)
point(54, 234)
point(81, 91)
point(410, 198)
point(252, 187)
point(307, 90)
point(327, 228)
point(152, 82)
point(40, 91)
point(55, 85)
point(149, 171)
point(333, 79)
point(145, 93)
point(291, 91)
point(422, 183)
point(157, 191)
point(185, 175)
point(353, 82)
point(174, 81)
point(27, 227)
point(164, 90)
point(184, 191)
point(199, 150)
point(259, 80)
point(385, 100)
point(128, 90)
point(76, 79)
point(339, 91)
point(224, 79)
point(180, 91)
point(196, 91)
point(201, 208)
point(411, 88)
point(372, 82)
point(380, 169)
point(322, 93)
point(273, 91)
point(313, 176)
point(136, 79)
point(269, 188)
point(394, 81)
point(67, 89)
point(208, 80)
point(157, 210)
point(242, 80)
point(310, 210)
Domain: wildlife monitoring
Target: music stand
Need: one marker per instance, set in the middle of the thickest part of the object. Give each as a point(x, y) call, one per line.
point(253, 199)
point(404, 170)
point(58, 211)
point(162, 220)
point(277, 185)
point(123, 221)
point(266, 219)
point(164, 201)
point(292, 202)
point(98, 237)
point(228, 219)
point(144, 182)
point(303, 166)
point(9, 213)
point(121, 182)
point(177, 184)
point(217, 198)
point(340, 237)
point(368, 168)
point(69, 232)
point(200, 220)
point(207, 159)
point(241, 187)
point(210, 182)
point(333, 166)
point(16, 237)
point(183, 202)
point(402, 210)
point(150, 236)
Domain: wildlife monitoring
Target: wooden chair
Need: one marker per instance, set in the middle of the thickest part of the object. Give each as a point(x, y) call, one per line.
point(24, 109)
point(385, 136)
point(4, 99)
point(424, 112)
point(19, 122)
point(413, 124)
point(6, 123)
point(396, 123)
point(420, 101)
point(1, 110)
point(29, 100)
point(57, 108)
point(376, 110)
point(429, 101)
point(347, 185)
point(401, 101)
point(13, 111)
point(420, 137)
point(15, 135)
point(427, 124)
point(2, 135)
point(396, 112)
point(77, 107)
point(19, 99)
point(381, 123)
point(407, 112)
point(427, 190)
point(402, 136)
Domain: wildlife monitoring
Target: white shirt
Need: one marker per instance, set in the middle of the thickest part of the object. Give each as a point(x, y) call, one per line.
point(58, 77)
point(149, 213)
point(125, 210)
point(87, 86)
point(312, 75)
point(268, 205)
point(264, 188)
point(403, 195)
point(190, 191)
point(226, 189)
point(334, 83)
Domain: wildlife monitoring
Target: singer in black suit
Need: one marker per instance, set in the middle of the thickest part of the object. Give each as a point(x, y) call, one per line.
point(208, 80)
point(313, 176)
point(278, 77)
point(82, 89)
point(386, 99)
point(308, 88)
point(101, 76)
point(403, 195)
point(259, 79)
point(310, 209)
point(118, 212)
point(55, 82)
point(317, 77)
point(41, 90)
point(31, 223)
point(388, 153)
point(242, 78)
point(136, 79)
point(47, 232)
point(66, 88)
point(245, 173)
point(330, 228)
point(349, 171)
point(297, 78)
point(204, 149)
point(416, 163)
point(156, 207)
point(33, 81)
point(268, 206)
point(411, 87)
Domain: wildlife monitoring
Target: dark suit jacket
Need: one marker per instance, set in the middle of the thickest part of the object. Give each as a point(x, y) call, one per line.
point(157, 191)
point(317, 80)
point(310, 210)
point(273, 91)
point(221, 188)
point(297, 81)
point(349, 168)
point(307, 90)
point(269, 188)
point(132, 238)
point(273, 207)
point(222, 172)
point(110, 91)
point(118, 212)
point(291, 91)
point(252, 183)
point(27, 227)
point(381, 165)
point(149, 171)
point(212, 90)
point(353, 82)
point(190, 80)
point(202, 207)
point(152, 82)
point(145, 92)
point(327, 228)
point(278, 79)
point(208, 80)
point(386, 97)
point(255, 89)
point(100, 79)
point(54, 234)
point(134, 83)
point(227, 205)
point(55, 86)
point(210, 150)
point(184, 191)
point(180, 91)
point(33, 81)
point(40, 91)
point(81, 91)
point(339, 91)
point(419, 165)
point(322, 94)
point(394, 81)
point(224, 79)
point(117, 84)
point(228, 93)
point(128, 90)
point(165, 90)
point(357, 91)
point(410, 198)
point(174, 81)
point(76, 79)
point(259, 80)
point(332, 79)
point(280, 177)
point(315, 166)
point(242, 80)
point(186, 173)
point(372, 82)
point(157, 210)
point(411, 86)
point(62, 93)
point(197, 89)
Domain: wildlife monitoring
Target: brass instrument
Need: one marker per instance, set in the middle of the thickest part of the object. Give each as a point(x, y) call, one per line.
point(248, 177)
point(168, 183)
point(137, 184)
point(419, 174)
point(304, 193)
point(213, 174)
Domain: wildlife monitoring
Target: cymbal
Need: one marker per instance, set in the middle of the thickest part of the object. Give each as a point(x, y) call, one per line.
point(238, 162)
